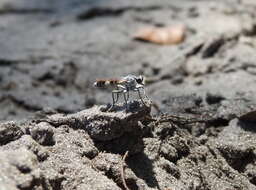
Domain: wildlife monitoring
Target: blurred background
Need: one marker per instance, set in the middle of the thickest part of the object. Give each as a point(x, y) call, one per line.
point(52, 51)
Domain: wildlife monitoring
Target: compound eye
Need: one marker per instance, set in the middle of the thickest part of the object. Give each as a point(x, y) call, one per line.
point(139, 80)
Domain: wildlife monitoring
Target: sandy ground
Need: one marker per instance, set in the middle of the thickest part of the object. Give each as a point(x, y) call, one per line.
point(52, 51)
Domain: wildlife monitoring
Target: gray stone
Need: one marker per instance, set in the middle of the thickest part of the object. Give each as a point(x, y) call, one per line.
point(104, 126)
point(43, 133)
point(9, 132)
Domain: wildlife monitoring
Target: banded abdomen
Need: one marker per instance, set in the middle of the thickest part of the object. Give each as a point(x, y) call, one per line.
point(106, 83)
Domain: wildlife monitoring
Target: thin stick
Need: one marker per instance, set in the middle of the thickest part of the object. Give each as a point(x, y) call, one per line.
point(122, 171)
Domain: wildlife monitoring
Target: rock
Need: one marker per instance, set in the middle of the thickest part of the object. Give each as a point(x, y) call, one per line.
point(4, 185)
point(212, 46)
point(43, 133)
point(28, 142)
point(213, 98)
point(89, 150)
point(235, 108)
point(109, 163)
point(24, 160)
point(20, 165)
point(236, 143)
point(94, 180)
point(169, 152)
point(104, 126)
point(196, 67)
point(9, 131)
point(170, 167)
point(53, 60)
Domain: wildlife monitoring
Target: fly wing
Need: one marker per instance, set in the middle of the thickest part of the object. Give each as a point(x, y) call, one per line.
point(128, 82)
point(122, 81)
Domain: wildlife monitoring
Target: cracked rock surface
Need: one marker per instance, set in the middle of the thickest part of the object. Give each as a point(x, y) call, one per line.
point(56, 132)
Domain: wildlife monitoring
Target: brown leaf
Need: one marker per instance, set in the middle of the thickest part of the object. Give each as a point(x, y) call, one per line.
point(162, 35)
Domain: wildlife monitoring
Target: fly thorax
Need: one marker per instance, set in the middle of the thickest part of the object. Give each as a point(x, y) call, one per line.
point(131, 85)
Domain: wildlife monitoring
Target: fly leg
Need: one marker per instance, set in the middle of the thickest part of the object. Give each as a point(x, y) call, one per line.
point(125, 92)
point(138, 90)
point(139, 93)
point(117, 96)
point(114, 101)
point(125, 99)
point(144, 93)
point(128, 95)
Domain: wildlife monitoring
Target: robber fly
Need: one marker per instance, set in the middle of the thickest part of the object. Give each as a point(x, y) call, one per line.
point(123, 86)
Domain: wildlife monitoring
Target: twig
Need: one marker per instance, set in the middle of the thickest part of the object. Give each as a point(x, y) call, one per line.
point(122, 171)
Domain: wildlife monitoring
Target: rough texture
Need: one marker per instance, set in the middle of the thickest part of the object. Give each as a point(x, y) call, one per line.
point(175, 152)
point(9, 132)
point(103, 126)
point(54, 135)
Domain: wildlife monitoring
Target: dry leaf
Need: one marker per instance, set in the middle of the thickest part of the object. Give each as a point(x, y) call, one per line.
point(162, 35)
